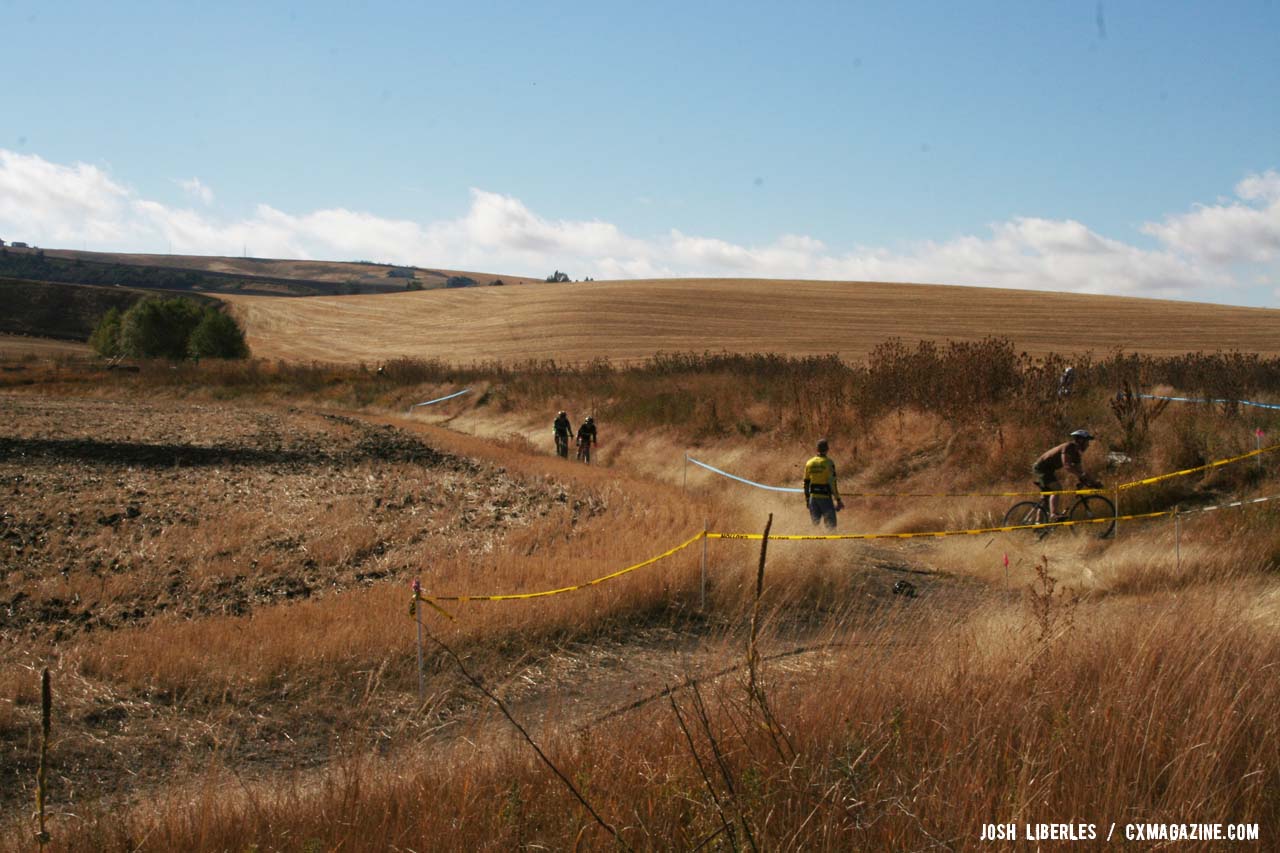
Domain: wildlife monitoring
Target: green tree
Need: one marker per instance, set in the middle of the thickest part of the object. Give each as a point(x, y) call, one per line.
point(217, 335)
point(158, 328)
point(105, 339)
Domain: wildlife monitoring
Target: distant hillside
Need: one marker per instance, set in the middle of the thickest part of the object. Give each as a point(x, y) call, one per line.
point(67, 312)
point(632, 320)
point(259, 276)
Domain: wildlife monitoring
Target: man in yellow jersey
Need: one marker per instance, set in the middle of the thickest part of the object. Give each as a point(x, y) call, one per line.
point(820, 492)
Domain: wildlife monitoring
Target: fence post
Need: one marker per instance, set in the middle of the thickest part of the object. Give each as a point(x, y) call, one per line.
point(1115, 534)
point(46, 708)
point(703, 600)
point(1177, 537)
point(417, 613)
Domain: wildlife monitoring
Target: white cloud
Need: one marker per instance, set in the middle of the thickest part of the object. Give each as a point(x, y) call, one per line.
point(196, 188)
point(51, 203)
point(1220, 252)
point(1231, 232)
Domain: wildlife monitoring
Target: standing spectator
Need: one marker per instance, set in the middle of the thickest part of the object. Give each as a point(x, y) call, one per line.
point(1068, 379)
point(821, 495)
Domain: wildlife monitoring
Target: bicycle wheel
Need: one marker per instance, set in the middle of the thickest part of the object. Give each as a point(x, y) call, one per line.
point(1023, 513)
point(1090, 507)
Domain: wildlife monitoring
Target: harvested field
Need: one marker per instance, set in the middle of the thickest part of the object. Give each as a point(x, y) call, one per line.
point(17, 347)
point(631, 320)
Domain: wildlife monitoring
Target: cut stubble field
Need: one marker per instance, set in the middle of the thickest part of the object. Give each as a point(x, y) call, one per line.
point(628, 321)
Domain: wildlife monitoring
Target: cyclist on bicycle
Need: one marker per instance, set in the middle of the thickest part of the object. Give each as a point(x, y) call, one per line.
point(586, 438)
point(563, 431)
point(1068, 455)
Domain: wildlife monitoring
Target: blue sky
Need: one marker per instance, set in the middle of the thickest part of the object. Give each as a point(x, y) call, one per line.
point(1127, 148)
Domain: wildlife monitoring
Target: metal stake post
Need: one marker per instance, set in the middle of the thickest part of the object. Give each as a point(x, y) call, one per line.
point(417, 612)
point(685, 484)
point(1115, 533)
point(703, 600)
point(46, 711)
point(1177, 537)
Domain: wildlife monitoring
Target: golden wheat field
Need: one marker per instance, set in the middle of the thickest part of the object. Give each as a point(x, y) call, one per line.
point(630, 320)
point(214, 562)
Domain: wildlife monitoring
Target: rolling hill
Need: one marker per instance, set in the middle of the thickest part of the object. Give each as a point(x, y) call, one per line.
point(630, 320)
point(264, 276)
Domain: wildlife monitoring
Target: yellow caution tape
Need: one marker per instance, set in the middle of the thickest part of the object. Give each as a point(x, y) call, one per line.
point(938, 534)
point(431, 600)
point(1183, 473)
point(1134, 484)
point(617, 574)
point(967, 494)
point(413, 606)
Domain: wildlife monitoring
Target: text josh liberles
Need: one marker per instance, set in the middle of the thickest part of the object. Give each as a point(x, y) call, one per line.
point(1130, 831)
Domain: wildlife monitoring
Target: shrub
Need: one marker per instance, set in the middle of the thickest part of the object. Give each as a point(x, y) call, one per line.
point(158, 328)
point(460, 281)
point(217, 335)
point(105, 339)
point(169, 328)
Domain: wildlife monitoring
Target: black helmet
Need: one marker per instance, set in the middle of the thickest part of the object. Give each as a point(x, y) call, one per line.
point(1082, 435)
point(562, 414)
point(822, 445)
point(589, 420)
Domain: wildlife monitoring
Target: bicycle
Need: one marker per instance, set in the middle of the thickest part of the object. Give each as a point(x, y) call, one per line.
point(562, 446)
point(1084, 509)
point(584, 450)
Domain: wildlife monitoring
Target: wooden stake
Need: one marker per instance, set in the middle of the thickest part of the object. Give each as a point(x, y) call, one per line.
point(46, 712)
point(753, 656)
point(417, 613)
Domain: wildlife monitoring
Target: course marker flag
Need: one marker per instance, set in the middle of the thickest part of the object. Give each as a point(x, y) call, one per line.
point(440, 399)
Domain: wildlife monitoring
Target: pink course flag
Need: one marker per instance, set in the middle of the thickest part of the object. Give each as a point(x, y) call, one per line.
point(1006, 561)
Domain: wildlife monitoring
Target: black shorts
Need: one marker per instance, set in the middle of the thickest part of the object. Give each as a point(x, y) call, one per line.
point(1046, 480)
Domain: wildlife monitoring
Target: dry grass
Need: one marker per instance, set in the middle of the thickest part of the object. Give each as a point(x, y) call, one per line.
point(231, 712)
point(1014, 713)
point(632, 320)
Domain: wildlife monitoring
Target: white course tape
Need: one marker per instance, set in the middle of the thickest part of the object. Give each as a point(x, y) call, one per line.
point(1211, 400)
point(1229, 506)
point(742, 479)
point(440, 399)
